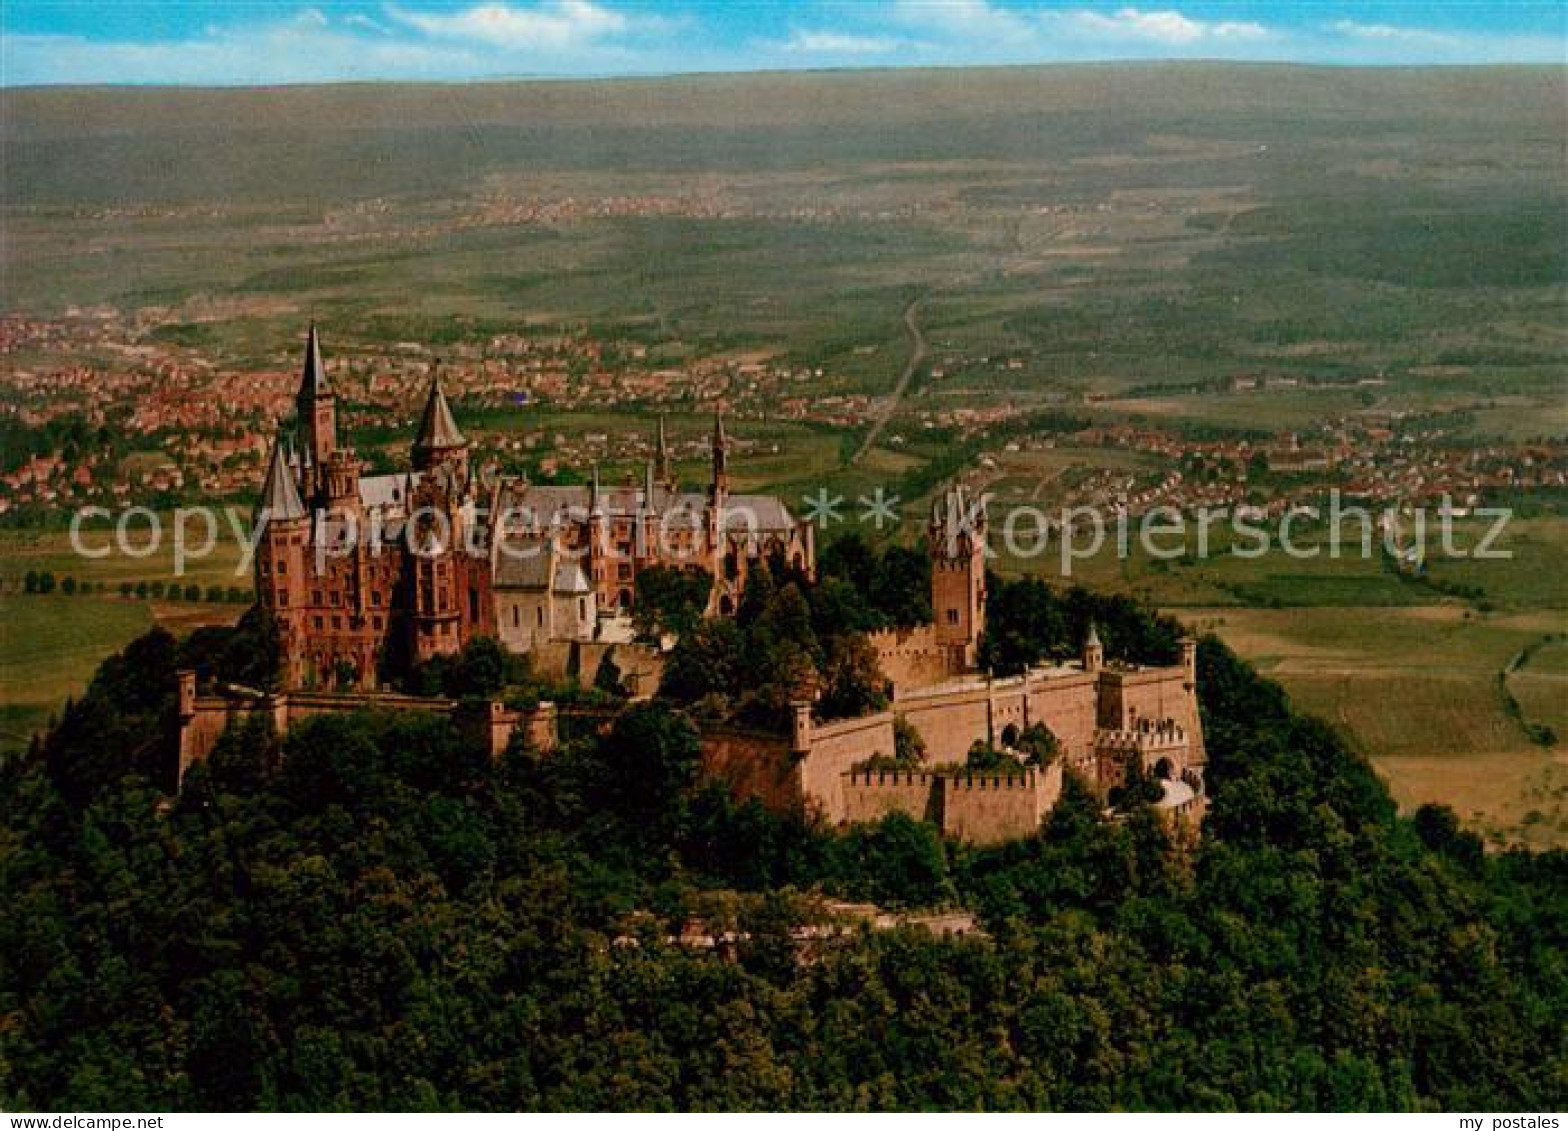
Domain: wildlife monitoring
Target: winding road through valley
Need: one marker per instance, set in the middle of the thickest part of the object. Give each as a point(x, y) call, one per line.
point(917, 354)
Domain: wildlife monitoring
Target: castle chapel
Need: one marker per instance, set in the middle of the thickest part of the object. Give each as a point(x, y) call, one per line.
point(369, 575)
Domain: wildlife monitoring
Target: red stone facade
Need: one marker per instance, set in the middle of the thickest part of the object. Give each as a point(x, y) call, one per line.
point(365, 576)
point(370, 575)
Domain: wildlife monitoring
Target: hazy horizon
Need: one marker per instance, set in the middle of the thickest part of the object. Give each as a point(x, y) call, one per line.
point(288, 42)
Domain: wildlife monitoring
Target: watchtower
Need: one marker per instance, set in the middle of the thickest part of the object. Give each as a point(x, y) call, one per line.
point(956, 542)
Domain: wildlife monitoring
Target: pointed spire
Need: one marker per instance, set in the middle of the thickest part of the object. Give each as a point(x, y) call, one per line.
point(437, 430)
point(1092, 640)
point(663, 454)
point(721, 456)
point(280, 500)
point(313, 381)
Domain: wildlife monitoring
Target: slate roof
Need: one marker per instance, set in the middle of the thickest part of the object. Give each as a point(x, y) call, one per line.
point(279, 496)
point(313, 381)
point(437, 429)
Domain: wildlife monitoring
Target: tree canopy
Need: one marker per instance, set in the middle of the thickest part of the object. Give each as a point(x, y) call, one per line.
point(368, 912)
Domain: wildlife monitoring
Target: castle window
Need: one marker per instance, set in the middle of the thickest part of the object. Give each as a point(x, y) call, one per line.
point(320, 623)
point(539, 613)
point(952, 616)
point(473, 603)
point(582, 608)
point(376, 621)
point(334, 597)
point(337, 622)
point(283, 596)
point(375, 598)
point(623, 571)
point(283, 566)
point(315, 596)
point(517, 616)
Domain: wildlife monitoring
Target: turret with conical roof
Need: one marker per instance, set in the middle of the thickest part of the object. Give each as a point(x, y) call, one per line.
point(438, 439)
point(1093, 651)
point(280, 501)
point(283, 525)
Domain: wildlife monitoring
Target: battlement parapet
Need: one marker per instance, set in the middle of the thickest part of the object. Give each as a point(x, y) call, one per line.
point(920, 638)
point(1027, 780)
point(1144, 738)
point(870, 779)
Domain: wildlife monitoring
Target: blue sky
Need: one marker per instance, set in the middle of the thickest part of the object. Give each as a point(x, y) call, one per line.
point(235, 42)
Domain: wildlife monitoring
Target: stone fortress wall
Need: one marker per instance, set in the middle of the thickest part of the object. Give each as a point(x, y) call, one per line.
point(1100, 717)
point(977, 808)
point(204, 718)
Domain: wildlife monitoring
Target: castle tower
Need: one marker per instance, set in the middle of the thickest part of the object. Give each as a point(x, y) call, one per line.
point(439, 442)
point(436, 620)
point(282, 558)
point(1189, 659)
point(663, 470)
point(598, 541)
point(720, 489)
point(1093, 652)
point(317, 409)
point(956, 541)
point(648, 533)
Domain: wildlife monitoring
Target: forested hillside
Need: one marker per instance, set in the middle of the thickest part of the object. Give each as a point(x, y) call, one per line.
point(371, 914)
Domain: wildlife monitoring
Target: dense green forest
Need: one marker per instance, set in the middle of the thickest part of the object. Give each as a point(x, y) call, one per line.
point(369, 913)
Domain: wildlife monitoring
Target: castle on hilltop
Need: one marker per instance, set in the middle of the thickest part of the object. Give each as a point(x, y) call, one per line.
point(368, 576)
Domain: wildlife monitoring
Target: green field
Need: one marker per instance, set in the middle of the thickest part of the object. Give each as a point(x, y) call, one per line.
point(1417, 689)
point(49, 647)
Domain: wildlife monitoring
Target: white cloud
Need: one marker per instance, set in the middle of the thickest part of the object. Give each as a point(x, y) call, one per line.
point(837, 43)
point(1167, 27)
point(290, 51)
point(556, 24)
point(1387, 33)
point(1350, 41)
point(964, 20)
point(1051, 33)
point(359, 20)
point(556, 37)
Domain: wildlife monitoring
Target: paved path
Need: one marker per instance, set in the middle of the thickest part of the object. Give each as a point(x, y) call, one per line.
point(917, 354)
